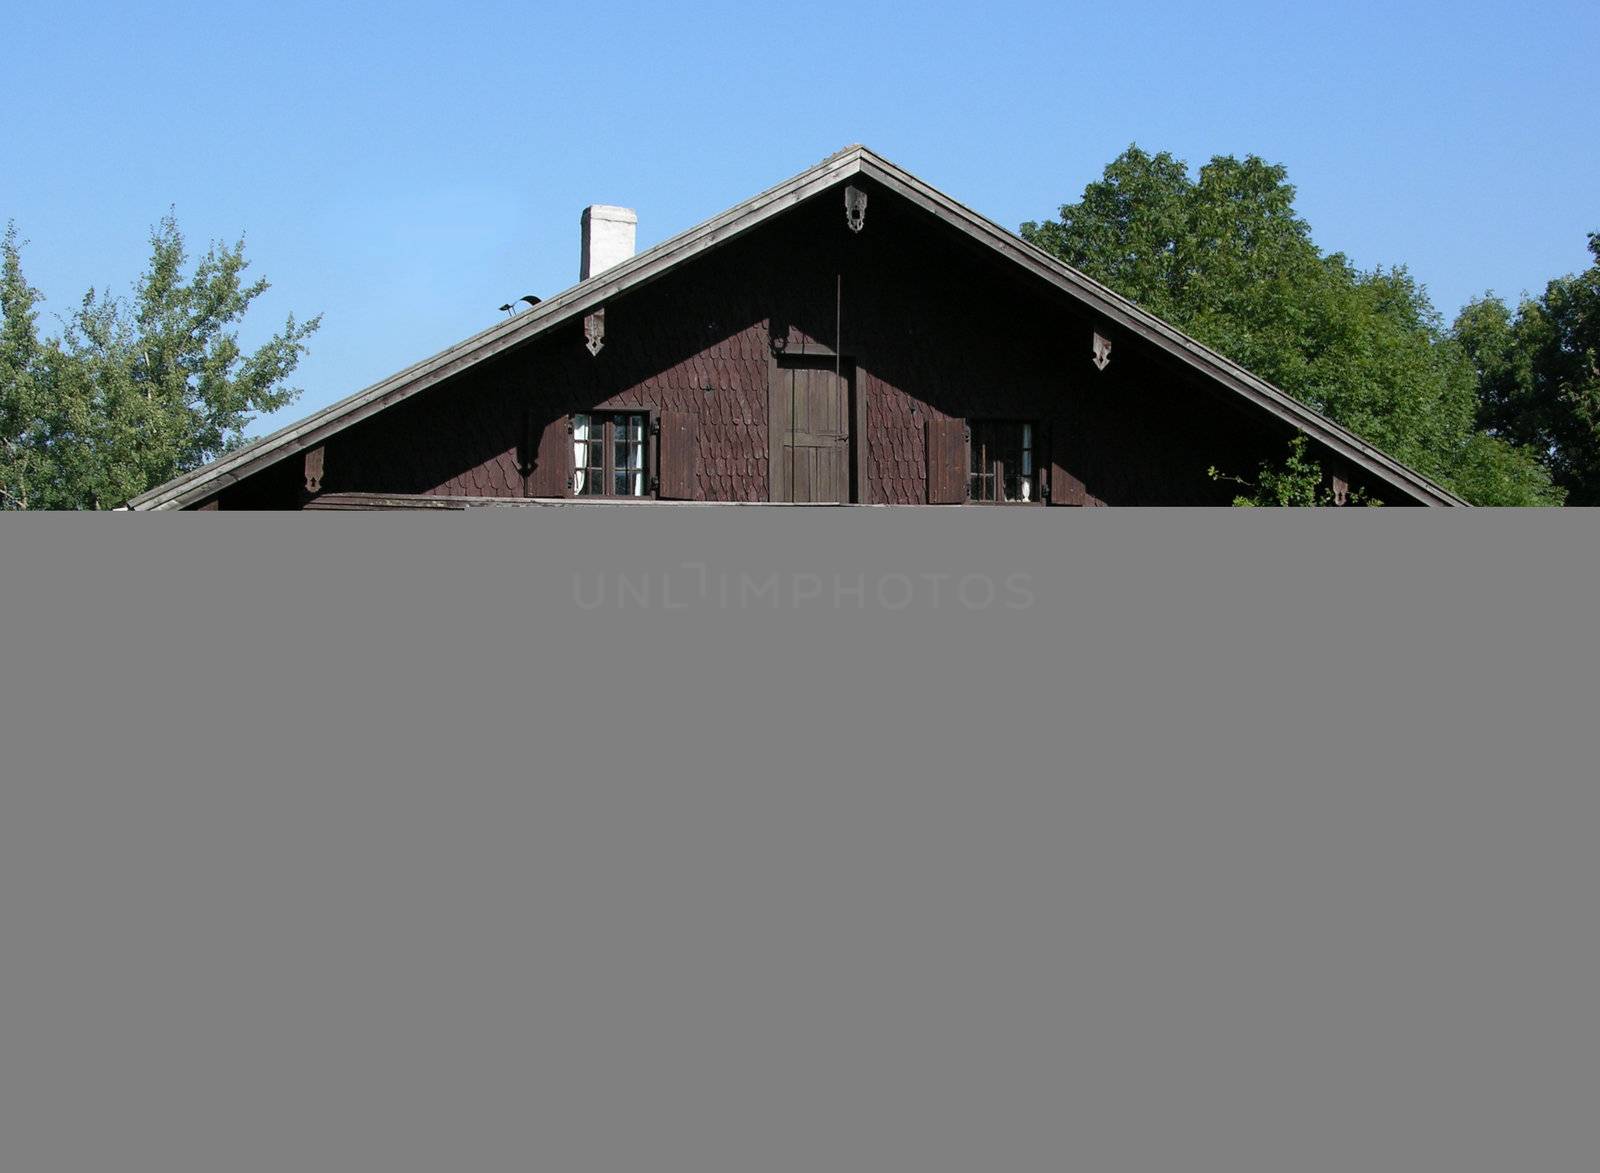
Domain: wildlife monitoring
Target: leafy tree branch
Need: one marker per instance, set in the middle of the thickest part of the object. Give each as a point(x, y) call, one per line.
point(1225, 257)
point(134, 390)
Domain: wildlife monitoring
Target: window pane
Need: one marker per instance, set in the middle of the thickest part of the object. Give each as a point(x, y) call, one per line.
point(588, 455)
point(626, 438)
point(1002, 455)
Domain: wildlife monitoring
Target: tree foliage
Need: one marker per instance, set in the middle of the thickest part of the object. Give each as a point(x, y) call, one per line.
point(133, 391)
point(1540, 373)
point(1227, 259)
point(1298, 481)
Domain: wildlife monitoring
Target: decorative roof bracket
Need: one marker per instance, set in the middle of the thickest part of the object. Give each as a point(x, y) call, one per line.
point(313, 469)
point(594, 330)
point(1102, 351)
point(855, 208)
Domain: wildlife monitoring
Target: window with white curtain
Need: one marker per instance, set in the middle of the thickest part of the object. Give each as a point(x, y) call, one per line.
point(608, 454)
point(1002, 461)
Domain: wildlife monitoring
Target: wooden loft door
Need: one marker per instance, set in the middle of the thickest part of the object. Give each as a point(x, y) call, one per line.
point(812, 407)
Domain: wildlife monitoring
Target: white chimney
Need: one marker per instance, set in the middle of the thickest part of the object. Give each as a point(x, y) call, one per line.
point(608, 235)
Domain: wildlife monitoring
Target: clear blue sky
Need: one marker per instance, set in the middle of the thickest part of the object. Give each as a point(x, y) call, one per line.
point(406, 167)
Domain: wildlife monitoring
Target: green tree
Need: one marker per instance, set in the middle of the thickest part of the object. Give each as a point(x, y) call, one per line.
point(134, 391)
point(1226, 258)
point(1298, 481)
point(1540, 373)
point(22, 456)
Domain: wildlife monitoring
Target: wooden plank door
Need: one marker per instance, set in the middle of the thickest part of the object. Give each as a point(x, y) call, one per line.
point(811, 413)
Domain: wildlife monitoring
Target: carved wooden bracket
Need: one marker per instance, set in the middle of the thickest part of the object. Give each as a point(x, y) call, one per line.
point(314, 458)
point(594, 330)
point(1341, 491)
point(1102, 351)
point(855, 208)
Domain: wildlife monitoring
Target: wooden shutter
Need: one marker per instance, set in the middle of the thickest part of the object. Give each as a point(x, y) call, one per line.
point(947, 462)
point(1065, 489)
point(551, 475)
point(680, 442)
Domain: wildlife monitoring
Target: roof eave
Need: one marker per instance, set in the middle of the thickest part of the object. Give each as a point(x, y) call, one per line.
point(206, 481)
point(1130, 316)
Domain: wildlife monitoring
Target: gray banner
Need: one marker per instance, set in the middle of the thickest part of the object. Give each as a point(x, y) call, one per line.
point(746, 839)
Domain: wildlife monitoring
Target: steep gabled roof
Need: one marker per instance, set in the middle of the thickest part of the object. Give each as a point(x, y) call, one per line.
point(193, 487)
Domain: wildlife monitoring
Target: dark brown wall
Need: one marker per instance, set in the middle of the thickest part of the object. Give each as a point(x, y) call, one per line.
point(935, 328)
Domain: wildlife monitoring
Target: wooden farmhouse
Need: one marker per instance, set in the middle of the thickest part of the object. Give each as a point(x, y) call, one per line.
point(852, 336)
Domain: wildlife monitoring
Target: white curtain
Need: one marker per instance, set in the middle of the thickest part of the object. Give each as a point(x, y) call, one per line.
point(636, 450)
point(1027, 462)
point(580, 451)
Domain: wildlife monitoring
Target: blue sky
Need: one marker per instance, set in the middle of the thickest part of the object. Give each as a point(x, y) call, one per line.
point(406, 167)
